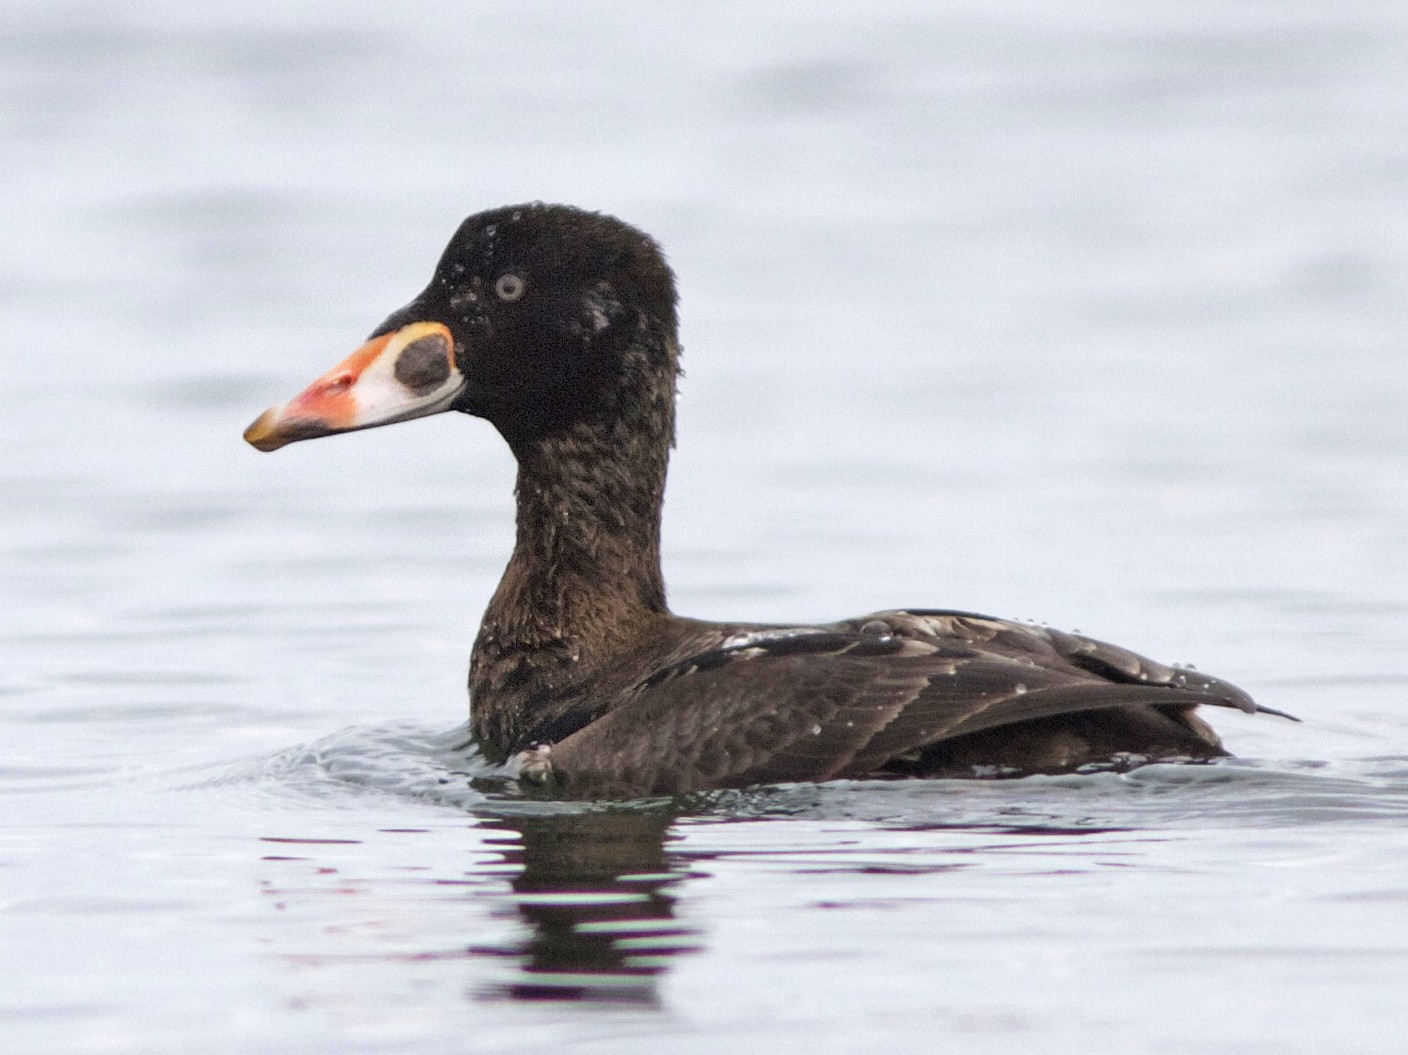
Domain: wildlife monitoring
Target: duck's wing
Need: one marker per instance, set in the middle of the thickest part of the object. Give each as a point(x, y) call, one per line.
point(814, 703)
point(1048, 647)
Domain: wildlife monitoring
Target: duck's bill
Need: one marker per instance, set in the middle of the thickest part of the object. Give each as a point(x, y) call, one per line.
point(405, 374)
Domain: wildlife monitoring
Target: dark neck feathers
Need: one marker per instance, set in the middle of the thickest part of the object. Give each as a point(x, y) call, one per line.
point(585, 577)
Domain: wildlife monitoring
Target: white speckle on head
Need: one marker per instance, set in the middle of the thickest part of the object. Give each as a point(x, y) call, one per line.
point(816, 730)
point(1019, 688)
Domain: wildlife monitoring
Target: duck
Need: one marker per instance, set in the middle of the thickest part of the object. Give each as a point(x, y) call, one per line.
point(559, 327)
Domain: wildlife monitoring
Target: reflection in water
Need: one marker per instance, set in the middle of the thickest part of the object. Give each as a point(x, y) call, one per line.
point(593, 890)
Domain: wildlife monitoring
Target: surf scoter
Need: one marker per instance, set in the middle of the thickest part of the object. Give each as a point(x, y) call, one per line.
point(558, 326)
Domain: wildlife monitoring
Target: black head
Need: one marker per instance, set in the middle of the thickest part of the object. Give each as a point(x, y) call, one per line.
point(537, 316)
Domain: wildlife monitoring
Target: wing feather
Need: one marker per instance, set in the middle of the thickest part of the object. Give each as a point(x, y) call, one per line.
point(771, 705)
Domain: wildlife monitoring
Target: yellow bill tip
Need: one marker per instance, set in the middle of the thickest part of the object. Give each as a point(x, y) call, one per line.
point(264, 434)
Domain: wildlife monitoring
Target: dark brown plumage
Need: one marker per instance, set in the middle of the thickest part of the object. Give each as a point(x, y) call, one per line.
point(558, 326)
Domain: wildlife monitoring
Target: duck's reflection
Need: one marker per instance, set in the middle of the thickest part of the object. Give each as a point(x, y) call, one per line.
point(593, 891)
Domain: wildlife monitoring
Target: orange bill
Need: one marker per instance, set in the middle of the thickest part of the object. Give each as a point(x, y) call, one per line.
point(408, 373)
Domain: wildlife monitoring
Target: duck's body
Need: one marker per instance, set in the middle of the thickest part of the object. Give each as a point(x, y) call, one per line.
point(559, 327)
point(696, 705)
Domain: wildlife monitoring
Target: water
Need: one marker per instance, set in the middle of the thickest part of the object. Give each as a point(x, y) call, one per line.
point(1093, 315)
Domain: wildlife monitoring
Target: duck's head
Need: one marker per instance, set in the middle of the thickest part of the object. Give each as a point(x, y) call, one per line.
point(537, 316)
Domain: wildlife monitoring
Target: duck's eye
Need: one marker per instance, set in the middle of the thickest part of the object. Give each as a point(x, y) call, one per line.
point(510, 287)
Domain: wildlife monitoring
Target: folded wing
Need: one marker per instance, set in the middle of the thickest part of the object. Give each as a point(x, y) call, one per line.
point(816, 703)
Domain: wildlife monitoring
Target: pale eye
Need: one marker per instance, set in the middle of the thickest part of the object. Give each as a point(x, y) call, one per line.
point(510, 287)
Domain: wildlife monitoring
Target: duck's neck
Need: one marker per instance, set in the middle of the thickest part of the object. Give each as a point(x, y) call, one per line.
point(589, 501)
point(584, 578)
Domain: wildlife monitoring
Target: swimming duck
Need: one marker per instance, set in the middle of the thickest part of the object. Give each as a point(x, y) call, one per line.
point(558, 326)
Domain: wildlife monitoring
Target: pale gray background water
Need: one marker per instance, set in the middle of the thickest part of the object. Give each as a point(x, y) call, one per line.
point(1092, 313)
